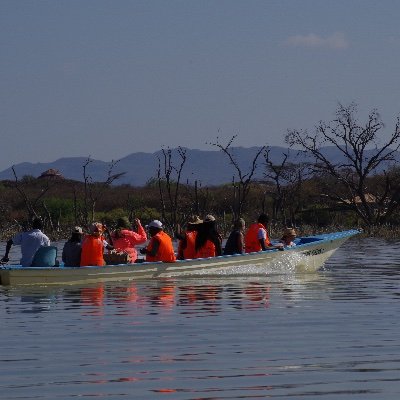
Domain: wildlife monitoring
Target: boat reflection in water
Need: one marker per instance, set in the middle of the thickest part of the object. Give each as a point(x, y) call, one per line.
point(192, 296)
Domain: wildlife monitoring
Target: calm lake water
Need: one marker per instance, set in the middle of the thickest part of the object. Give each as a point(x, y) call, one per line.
point(333, 334)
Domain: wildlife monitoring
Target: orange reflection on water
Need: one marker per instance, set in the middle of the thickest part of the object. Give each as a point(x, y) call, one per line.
point(167, 294)
point(94, 296)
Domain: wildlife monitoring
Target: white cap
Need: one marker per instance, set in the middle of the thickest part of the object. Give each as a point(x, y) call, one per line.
point(155, 224)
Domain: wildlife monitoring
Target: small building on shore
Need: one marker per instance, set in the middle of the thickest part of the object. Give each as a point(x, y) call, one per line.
point(51, 174)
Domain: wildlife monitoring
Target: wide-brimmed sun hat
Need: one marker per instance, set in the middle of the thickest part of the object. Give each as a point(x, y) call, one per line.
point(289, 232)
point(194, 220)
point(77, 229)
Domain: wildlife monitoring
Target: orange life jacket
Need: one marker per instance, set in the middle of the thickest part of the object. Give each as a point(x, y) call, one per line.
point(189, 251)
point(92, 251)
point(208, 250)
point(165, 251)
point(252, 243)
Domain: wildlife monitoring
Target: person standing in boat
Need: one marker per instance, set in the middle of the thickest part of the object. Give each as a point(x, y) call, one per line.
point(125, 239)
point(93, 246)
point(160, 247)
point(208, 241)
point(235, 242)
point(257, 238)
point(187, 239)
point(30, 241)
point(71, 254)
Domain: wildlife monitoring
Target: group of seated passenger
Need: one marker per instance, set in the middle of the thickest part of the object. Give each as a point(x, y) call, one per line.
point(200, 240)
point(83, 250)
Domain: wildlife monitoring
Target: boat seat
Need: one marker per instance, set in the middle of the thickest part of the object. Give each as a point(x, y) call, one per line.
point(307, 240)
point(45, 257)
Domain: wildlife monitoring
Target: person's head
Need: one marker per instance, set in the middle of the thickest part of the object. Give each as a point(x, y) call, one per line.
point(263, 219)
point(209, 218)
point(123, 223)
point(37, 224)
point(96, 229)
point(289, 234)
point(239, 225)
point(154, 227)
point(76, 234)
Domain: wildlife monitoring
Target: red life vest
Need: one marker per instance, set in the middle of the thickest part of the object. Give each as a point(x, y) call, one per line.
point(189, 251)
point(92, 251)
point(252, 243)
point(165, 251)
point(208, 250)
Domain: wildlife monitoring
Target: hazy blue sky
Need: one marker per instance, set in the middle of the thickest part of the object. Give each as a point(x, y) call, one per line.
point(108, 78)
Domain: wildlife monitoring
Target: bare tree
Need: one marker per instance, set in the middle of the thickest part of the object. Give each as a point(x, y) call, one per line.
point(241, 182)
point(169, 183)
point(31, 203)
point(94, 190)
point(361, 155)
point(287, 178)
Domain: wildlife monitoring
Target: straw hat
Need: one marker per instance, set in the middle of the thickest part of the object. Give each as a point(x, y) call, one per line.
point(194, 220)
point(289, 232)
point(209, 218)
point(77, 229)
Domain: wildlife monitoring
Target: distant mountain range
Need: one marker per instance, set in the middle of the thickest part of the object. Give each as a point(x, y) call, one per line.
point(207, 167)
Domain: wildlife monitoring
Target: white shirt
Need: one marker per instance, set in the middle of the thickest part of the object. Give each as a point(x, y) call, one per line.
point(262, 234)
point(30, 242)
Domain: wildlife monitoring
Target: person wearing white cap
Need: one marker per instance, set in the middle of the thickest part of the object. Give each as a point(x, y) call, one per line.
point(160, 247)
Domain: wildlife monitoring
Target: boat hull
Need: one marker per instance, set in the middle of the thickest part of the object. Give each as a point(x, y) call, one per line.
point(309, 255)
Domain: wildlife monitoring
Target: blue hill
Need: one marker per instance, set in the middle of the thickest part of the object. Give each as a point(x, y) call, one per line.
point(207, 167)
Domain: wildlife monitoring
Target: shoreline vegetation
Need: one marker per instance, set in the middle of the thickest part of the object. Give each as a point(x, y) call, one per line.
point(63, 204)
point(359, 189)
point(390, 233)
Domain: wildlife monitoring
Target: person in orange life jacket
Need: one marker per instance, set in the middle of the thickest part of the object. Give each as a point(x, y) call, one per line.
point(257, 239)
point(160, 247)
point(186, 247)
point(93, 246)
point(208, 241)
point(124, 239)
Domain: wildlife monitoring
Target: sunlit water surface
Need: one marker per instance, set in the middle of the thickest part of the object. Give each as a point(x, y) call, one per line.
point(333, 334)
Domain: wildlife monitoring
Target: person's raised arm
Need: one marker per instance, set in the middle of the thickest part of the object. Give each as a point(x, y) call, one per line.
point(140, 236)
